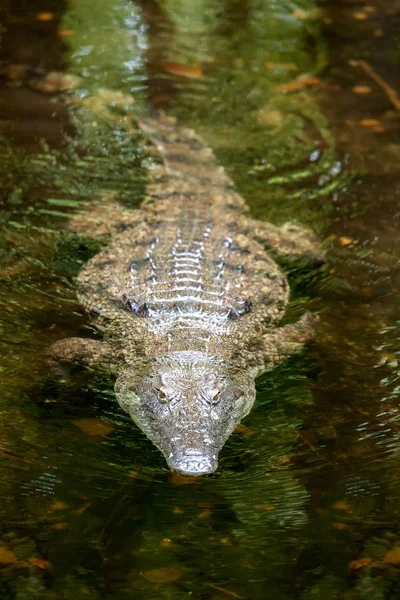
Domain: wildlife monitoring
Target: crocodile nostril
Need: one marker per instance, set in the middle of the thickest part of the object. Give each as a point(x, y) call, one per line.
point(193, 463)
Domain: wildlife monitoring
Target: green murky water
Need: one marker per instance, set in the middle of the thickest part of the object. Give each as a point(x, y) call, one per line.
point(298, 100)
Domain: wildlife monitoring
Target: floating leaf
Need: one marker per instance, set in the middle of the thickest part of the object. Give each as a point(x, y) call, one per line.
point(392, 556)
point(340, 526)
point(183, 70)
point(45, 16)
point(7, 557)
point(345, 241)
point(243, 430)
point(370, 123)
point(81, 510)
point(58, 505)
point(359, 564)
point(40, 563)
point(362, 89)
point(298, 84)
point(94, 427)
point(163, 575)
point(177, 511)
point(65, 32)
point(59, 526)
point(360, 16)
point(342, 505)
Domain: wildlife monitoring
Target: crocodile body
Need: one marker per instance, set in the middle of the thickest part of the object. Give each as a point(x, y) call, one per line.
point(189, 301)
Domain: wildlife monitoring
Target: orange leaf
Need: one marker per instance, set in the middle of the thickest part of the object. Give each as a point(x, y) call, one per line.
point(58, 505)
point(45, 16)
point(362, 89)
point(60, 526)
point(183, 70)
point(370, 123)
point(360, 16)
point(163, 575)
point(243, 430)
point(40, 563)
point(177, 511)
point(283, 460)
point(94, 427)
point(7, 557)
point(298, 84)
point(345, 241)
point(65, 32)
point(82, 509)
point(340, 526)
point(341, 505)
point(392, 556)
point(359, 564)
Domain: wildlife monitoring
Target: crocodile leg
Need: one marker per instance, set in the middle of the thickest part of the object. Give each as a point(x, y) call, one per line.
point(83, 352)
point(104, 217)
point(287, 340)
point(290, 241)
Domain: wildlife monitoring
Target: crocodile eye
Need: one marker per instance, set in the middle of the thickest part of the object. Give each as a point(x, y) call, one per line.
point(161, 396)
point(216, 397)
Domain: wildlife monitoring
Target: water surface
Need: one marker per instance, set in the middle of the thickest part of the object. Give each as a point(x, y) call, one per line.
point(299, 102)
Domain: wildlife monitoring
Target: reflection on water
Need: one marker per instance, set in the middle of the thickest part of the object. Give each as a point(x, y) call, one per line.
point(298, 101)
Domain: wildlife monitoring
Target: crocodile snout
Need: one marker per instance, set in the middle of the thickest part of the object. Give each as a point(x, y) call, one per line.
point(193, 463)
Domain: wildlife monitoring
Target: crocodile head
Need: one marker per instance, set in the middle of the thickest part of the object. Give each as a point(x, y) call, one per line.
point(188, 405)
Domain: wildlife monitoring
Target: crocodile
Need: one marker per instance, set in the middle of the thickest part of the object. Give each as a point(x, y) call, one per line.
point(189, 301)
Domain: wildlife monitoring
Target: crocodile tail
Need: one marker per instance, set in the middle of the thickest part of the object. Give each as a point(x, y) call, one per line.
point(188, 161)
